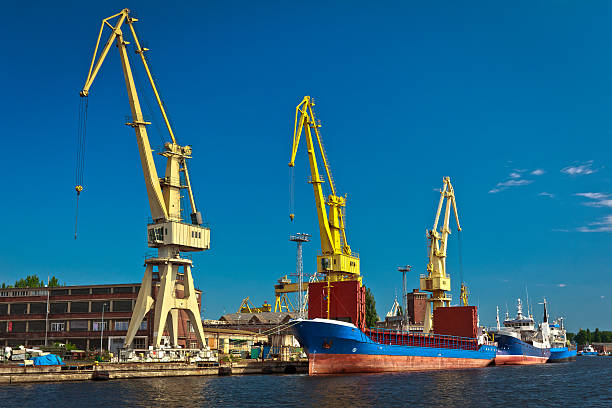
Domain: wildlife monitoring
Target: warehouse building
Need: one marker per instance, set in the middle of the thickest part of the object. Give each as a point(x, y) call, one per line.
point(85, 316)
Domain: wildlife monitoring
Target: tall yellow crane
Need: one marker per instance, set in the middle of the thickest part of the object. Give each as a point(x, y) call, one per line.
point(437, 281)
point(336, 260)
point(167, 232)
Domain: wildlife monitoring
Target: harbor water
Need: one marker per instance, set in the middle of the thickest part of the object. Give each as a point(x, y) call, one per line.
point(581, 383)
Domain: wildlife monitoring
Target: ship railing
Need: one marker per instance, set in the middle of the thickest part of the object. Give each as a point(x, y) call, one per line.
point(415, 339)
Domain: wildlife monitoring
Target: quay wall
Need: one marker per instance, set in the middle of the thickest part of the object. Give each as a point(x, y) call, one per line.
point(20, 375)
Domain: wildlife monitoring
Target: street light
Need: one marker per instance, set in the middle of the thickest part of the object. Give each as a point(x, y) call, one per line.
point(102, 329)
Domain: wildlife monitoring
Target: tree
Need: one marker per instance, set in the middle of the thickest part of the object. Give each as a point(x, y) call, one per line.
point(597, 336)
point(32, 281)
point(54, 282)
point(370, 303)
point(570, 336)
point(581, 337)
point(588, 336)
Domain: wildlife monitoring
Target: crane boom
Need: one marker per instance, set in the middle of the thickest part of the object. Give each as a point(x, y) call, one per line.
point(437, 281)
point(167, 232)
point(336, 259)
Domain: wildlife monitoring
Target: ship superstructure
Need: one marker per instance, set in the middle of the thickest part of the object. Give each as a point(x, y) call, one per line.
point(560, 348)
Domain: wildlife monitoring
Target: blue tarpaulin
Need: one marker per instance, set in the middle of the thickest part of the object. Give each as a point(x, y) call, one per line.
point(49, 359)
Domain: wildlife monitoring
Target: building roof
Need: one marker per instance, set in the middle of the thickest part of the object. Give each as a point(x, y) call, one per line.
point(258, 318)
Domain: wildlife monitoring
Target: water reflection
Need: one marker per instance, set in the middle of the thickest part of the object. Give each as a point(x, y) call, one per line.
point(487, 387)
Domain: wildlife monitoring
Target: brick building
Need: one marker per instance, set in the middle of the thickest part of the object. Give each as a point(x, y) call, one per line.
point(75, 316)
point(417, 305)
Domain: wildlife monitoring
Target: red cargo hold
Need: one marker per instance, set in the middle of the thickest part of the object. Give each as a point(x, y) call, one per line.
point(347, 302)
point(456, 321)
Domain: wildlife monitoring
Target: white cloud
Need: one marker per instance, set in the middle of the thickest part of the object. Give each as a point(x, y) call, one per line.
point(514, 183)
point(515, 179)
point(599, 199)
point(605, 225)
point(580, 169)
point(545, 194)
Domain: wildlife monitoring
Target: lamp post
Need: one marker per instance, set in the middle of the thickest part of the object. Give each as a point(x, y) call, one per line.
point(47, 315)
point(102, 328)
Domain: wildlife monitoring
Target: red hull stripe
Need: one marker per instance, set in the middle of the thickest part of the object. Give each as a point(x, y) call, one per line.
point(364, 363)
point(519, 360)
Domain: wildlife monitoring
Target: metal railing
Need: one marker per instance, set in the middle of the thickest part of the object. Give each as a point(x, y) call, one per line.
point(398, 338)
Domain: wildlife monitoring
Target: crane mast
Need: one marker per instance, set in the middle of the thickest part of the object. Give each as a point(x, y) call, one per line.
point(437, 281)
point(336, 261)
point(167, 232)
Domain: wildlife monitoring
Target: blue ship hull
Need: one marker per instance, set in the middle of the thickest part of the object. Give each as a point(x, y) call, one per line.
point(561, 354)
point(337, 347)
point(513, 351)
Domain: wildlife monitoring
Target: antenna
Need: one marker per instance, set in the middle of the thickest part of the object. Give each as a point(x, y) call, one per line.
point(528, 310)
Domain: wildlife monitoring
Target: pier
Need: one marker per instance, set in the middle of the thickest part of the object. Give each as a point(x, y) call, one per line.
point(114, 371)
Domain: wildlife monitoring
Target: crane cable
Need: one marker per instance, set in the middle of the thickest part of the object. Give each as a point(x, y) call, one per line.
point(291, 193)
point(80, 157)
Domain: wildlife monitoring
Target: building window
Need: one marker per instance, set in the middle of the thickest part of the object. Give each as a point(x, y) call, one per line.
point(18, 327)
point(122, 306)
point(57, 326)
point(79, 291)
point(38, 308)
point(123, 289)
point(139, 343)
point(78, 325)
point(121, 325)
point(36, 326)
point(19, 308)
point(79, 307)
point(3, 309)
point(143, 325)
point(59, 307)
point(100, 291)
point(97, 306)
point(97, 326)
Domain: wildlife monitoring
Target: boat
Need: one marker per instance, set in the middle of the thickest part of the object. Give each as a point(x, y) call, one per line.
point(560, 348)
point(519, 342)
point(337, 347)
point(588, 351)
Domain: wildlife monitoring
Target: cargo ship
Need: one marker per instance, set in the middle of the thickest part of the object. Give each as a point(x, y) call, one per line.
point(520, 343)
point(337, 347)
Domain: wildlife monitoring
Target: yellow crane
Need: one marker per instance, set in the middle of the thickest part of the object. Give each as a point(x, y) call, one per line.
point(437, 281)
point(336, 261)
point(167, 232)
point(247, 307)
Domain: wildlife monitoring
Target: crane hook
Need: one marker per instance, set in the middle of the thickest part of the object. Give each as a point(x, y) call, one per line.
point(78, 189)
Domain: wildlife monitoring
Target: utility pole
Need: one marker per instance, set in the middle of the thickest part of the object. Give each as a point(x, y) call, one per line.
point(403, 270)
point(299, 239)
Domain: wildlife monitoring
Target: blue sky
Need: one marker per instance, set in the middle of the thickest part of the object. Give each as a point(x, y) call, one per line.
point(512, 102)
